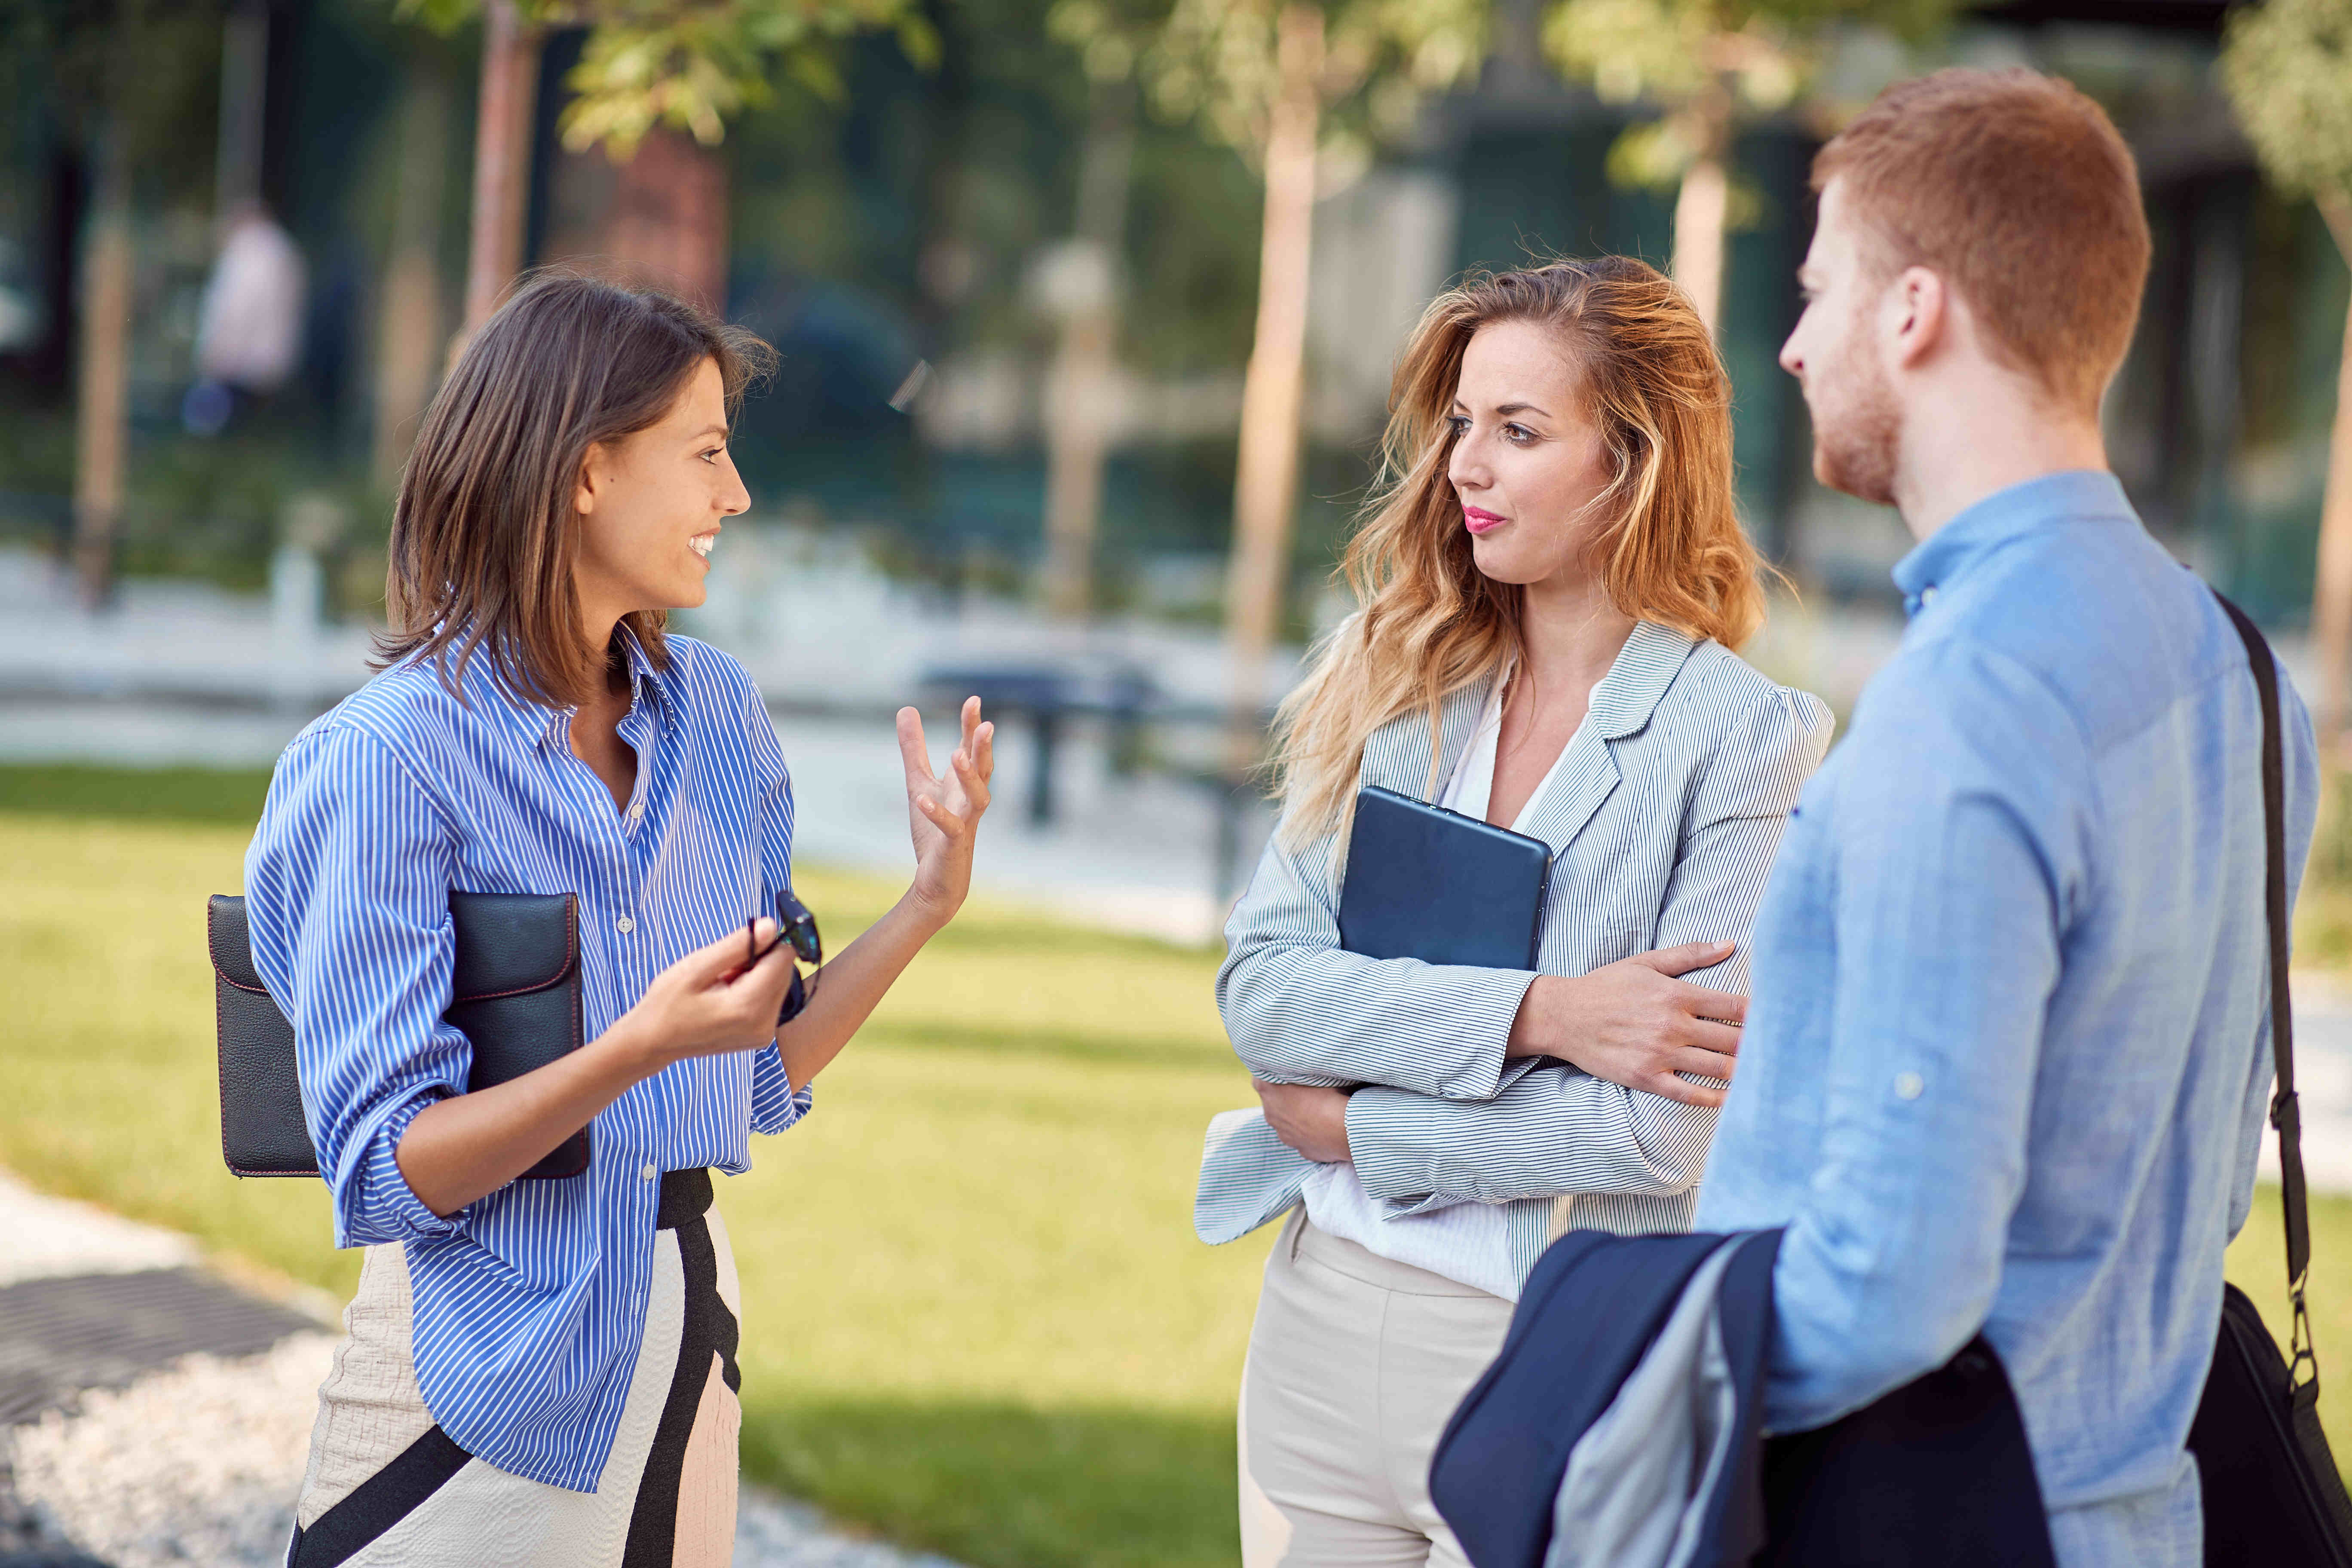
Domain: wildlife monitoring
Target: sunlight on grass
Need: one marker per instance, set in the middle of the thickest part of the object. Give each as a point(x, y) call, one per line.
point(976, 1318)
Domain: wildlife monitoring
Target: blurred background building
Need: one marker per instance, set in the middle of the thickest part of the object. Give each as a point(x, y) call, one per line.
point(919, 216)
point(1015, 304)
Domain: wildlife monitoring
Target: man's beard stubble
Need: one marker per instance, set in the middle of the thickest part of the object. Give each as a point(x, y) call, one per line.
point(1857, 429)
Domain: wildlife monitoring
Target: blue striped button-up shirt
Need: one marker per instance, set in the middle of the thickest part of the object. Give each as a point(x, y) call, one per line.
point(529, 1303)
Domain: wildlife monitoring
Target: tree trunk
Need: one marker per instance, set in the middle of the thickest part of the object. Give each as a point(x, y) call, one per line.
point(243, 106)
point(1077, 446)
point(1702, 212)
point(2331, 610)
point(409, 326)
point(1265, 480)
point(1078, 389)
point(103, 417)
point(502, 148)
point(668, 225)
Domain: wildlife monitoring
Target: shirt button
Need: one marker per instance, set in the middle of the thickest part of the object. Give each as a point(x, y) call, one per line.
point(636, 811)
point(1927, 594)
point(625, 925)
point(648, 1173)
point(1908, 1085)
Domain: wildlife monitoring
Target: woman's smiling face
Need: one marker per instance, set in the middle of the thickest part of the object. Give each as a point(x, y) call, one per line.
point(650, 506)
point(1527, 462)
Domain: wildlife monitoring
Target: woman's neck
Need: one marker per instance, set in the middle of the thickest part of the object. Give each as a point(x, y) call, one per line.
point(1571, 632)
point(600, 624)
point(609, 685)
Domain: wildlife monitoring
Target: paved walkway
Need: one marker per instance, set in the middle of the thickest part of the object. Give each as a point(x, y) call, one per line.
point(153, 1415)
point(186, 674)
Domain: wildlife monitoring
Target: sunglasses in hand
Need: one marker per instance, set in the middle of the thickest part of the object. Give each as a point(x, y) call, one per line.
point(796, 926)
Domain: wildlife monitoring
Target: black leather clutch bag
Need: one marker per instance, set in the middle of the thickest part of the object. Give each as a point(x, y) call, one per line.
point(515, 995)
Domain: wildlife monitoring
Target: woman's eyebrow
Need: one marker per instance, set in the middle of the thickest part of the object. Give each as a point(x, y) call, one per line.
point(707, 430)
point(1505, 410)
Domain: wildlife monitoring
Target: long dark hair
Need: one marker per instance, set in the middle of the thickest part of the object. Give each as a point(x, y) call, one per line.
point(484, 534)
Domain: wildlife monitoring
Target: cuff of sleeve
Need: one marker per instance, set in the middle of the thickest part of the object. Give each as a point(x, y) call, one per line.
point(1392, 1176)
point(1483, 1015)
point(374, 1203)
point(776, 1105)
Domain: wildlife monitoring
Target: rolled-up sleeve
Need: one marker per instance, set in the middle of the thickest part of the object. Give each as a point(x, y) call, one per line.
point(348, 897)
point(1954, 887)
point(776, 1103)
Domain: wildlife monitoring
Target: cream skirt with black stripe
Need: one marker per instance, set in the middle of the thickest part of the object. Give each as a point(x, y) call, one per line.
point(387, 1489)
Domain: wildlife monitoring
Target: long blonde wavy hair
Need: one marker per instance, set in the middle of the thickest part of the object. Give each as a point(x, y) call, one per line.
point(1429, 623)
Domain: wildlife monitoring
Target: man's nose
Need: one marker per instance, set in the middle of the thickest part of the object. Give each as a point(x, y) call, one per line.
point(1790, 360)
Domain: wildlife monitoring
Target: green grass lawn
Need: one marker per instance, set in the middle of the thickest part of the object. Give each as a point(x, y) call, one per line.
point(976, 1318)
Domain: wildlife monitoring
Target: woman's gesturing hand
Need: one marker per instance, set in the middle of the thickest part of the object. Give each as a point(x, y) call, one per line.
point(709, 1002)
point(1633, 1023)
point(944, 810)
point(1311, 1119)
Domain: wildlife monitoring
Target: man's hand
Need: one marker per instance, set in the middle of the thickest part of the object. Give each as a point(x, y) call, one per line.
point(1312, 1121)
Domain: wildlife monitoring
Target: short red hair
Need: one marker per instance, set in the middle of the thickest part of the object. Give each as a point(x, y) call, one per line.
point(2019, 191)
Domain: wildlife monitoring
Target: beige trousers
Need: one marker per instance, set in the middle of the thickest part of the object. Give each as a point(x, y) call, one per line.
point(373, 1417)
point(1354, 1364)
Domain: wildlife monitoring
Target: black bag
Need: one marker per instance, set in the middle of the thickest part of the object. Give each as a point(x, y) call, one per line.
point(2273, 1494)
point(515, 995)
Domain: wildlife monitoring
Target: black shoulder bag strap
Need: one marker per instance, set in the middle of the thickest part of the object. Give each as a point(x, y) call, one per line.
point(2285, 1113)
point(2272, 1492)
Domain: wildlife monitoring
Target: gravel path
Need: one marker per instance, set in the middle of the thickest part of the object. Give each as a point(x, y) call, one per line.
point(196, 1462)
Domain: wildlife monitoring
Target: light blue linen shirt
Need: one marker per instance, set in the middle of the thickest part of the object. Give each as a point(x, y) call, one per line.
point(2007, 1055)
point(529, 1302)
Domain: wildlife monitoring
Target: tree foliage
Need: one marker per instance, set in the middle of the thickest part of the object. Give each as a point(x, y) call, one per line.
point(2287, 65)
point(1705, 64)
point(690, 64)
point(1214, 61)
point(136, 71)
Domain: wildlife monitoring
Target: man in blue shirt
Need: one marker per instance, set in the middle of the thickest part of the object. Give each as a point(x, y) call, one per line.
point(2007, 1056)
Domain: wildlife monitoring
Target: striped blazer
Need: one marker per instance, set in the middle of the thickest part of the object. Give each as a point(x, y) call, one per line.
point(1663, 821)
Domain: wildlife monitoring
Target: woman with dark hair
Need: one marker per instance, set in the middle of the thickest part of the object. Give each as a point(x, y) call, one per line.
point(542, 1370)
point(1552, 578)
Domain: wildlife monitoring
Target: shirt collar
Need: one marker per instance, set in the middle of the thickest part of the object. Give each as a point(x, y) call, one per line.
point(1945, 555)
point(643, 678)
point(534, 724)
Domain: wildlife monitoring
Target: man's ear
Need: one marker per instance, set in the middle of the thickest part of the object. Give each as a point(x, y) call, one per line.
point(591, 479)
point(1922, 308)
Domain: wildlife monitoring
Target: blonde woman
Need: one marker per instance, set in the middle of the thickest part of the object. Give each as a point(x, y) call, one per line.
point(1552, 578)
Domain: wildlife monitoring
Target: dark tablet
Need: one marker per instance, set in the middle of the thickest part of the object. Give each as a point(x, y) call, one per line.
point(1427, 883)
